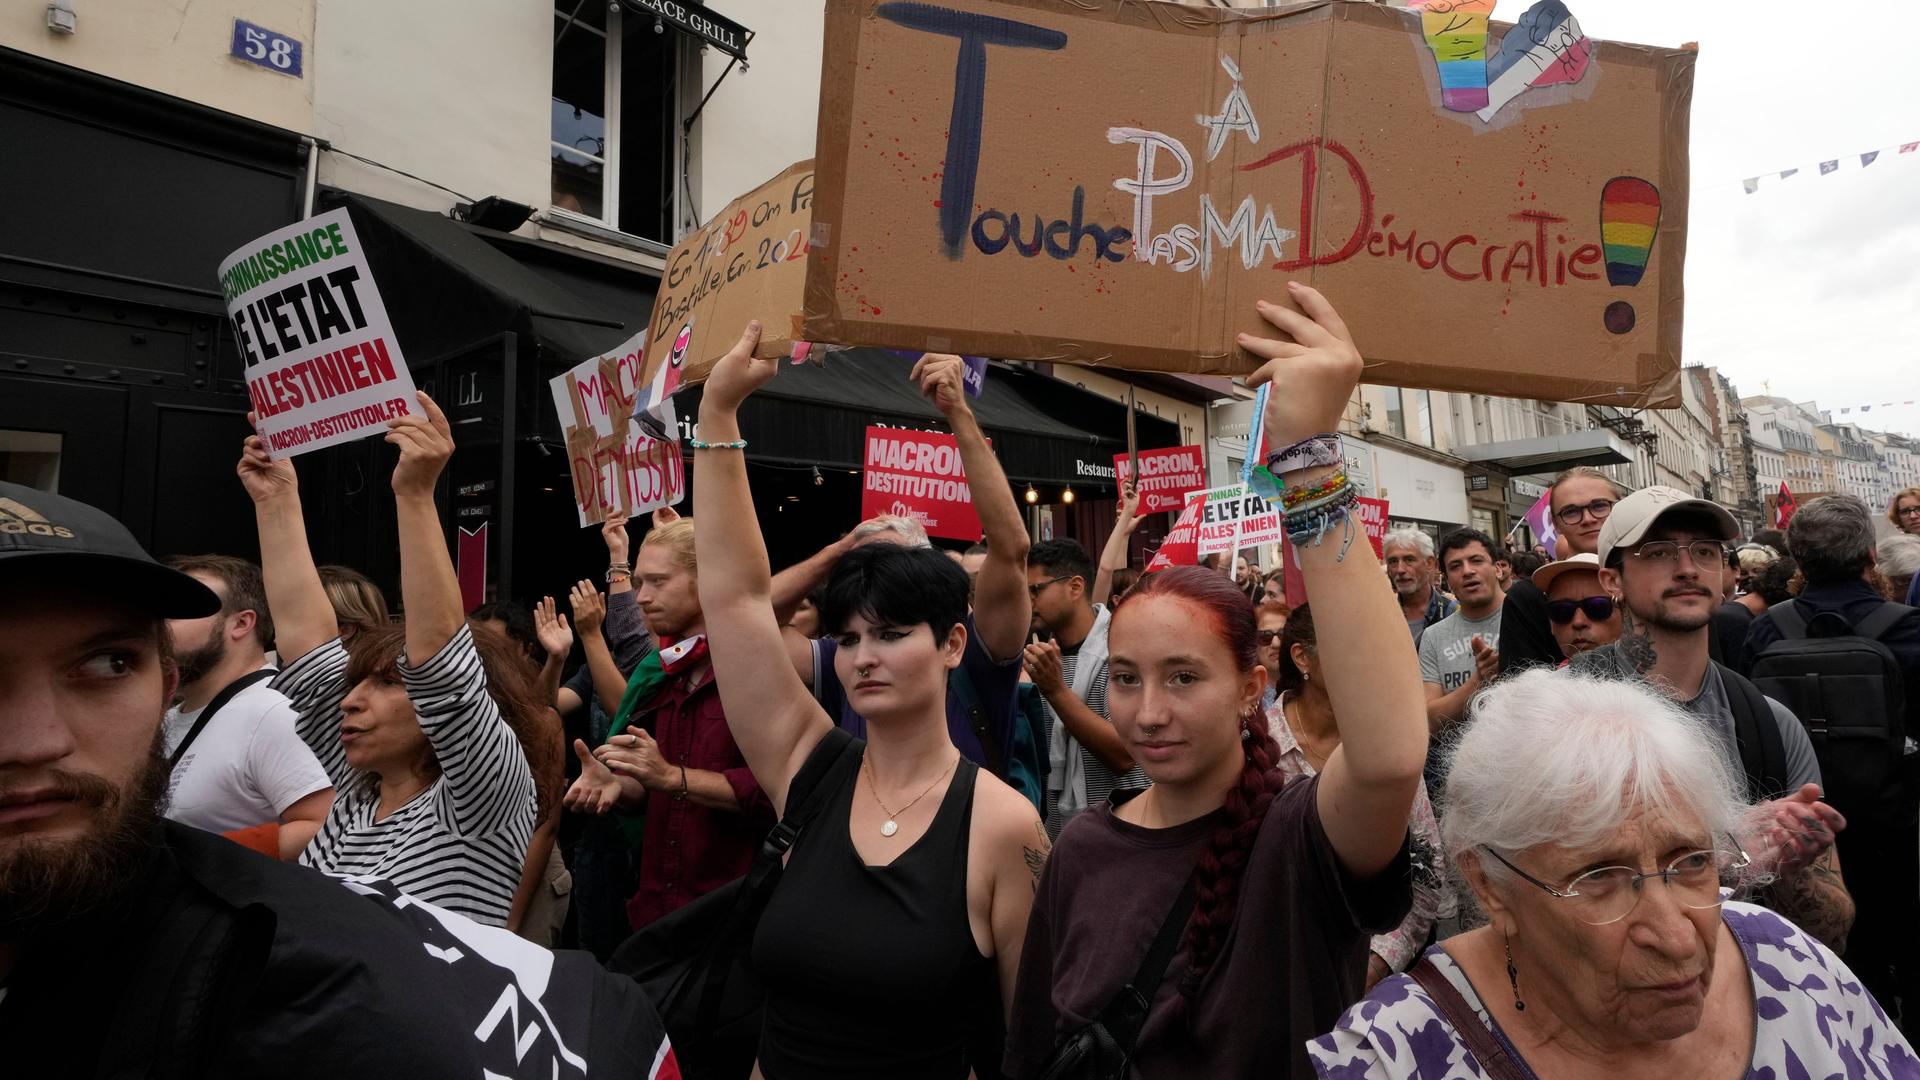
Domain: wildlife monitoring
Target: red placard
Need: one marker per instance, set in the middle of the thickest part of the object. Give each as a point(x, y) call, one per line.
point(1182, 544)
point(917, 474)
point(1165, 476)
point(1373, 516)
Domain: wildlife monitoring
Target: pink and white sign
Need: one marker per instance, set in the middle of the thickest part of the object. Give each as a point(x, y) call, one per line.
point(918, 474)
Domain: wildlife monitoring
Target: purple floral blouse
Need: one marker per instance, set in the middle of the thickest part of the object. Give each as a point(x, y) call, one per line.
point(1812, 1018)
point(1433, 893)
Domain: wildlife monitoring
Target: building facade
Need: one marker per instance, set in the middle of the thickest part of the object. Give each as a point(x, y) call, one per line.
point(1739, 484)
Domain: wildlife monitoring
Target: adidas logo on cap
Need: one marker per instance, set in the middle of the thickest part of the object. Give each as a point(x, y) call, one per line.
point(18, 518)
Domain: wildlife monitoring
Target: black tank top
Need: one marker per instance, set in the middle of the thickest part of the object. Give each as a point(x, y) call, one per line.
point(872, 971)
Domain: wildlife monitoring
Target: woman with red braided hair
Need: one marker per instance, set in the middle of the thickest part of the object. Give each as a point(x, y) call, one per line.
point(1270, 890)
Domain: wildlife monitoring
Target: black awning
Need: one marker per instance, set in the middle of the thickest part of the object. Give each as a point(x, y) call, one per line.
point(447, 288)
point(698, 21)
point(1043, 430)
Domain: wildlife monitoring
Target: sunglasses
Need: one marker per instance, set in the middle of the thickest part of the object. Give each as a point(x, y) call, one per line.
point(1268, 637)
point(1598, 609)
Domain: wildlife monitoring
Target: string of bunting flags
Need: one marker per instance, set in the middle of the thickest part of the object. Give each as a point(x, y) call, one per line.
point(1870, 408)
point(1867, 157)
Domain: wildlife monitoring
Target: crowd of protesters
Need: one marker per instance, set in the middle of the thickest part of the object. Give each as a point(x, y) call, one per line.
point(1470, 812)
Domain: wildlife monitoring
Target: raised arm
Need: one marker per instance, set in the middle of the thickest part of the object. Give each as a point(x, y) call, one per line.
point(489, 783)
point(1002, 610)
point(302, 615)
point(1372, 677)
point(774, 720)
point(589, 611)
point(1114, 555)
point(428, 586)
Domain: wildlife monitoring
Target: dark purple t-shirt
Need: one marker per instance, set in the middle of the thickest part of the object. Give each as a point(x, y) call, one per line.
point(1294, 959)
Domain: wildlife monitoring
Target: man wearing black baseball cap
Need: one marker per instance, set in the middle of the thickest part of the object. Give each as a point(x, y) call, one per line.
point(131, 946)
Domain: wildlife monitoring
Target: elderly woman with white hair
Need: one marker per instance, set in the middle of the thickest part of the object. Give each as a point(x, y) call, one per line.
point(1595, 823)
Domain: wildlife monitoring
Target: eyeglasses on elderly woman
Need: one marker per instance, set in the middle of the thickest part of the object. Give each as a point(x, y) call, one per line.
point(1608, 894)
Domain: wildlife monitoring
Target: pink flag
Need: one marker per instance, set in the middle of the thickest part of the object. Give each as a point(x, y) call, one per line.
point(1540, 520)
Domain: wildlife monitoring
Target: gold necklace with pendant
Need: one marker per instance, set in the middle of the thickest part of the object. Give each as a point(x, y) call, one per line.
point(891, 826)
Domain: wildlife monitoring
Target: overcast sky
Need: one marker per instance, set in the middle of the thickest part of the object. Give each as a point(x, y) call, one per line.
point(1813, 283)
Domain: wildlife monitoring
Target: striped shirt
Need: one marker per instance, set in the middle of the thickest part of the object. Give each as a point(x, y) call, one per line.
point(1101, 781)
point(461, 842)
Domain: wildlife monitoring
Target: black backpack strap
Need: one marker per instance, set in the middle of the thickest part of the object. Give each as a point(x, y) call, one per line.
point(807, 795)
point(1884, 618)
point(1126, 1014)
point(1763, 753)
point(227, 694)
point(1787, 619)
point(962, 686)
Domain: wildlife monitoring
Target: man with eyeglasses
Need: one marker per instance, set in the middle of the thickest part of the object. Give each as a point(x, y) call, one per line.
point(1581, 498)
point(1584, 616)
point(1087, 758)
point(1661, 554)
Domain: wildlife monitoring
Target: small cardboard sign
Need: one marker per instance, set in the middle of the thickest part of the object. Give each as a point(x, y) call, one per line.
point(748, 262)
point(1493, 208)
point(1166, 476)
point(623, 437)
point(321, 362)
point(918, 475)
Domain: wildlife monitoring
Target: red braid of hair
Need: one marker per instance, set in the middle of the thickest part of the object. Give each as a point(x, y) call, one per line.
point(1218, 872)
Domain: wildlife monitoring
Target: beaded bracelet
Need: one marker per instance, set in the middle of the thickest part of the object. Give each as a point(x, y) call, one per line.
point(1314, 524)
point(737, 444)
point(1293, 498)
point(1322, 449)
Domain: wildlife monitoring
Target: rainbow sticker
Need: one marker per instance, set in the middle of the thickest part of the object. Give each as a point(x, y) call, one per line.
point(1629, 218)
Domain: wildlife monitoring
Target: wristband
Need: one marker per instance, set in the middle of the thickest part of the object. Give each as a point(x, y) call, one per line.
point(1322, 449)
point(737, 444)
point(681, 795)
point(617, 573)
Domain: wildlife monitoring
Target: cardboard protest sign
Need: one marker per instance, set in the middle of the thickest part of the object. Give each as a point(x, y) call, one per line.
point(1492, 208)
point(322, 364)
point(918, 475)
point(748, 262)
point(623, 438)
point(1233, 518)
point(1166, 476)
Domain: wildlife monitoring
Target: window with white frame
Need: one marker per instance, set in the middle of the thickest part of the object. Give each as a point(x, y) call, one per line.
point(615, 137)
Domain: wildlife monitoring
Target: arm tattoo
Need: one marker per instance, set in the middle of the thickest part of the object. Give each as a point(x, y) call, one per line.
point(1636, 645)
point(1816, 899)
point(1037, 857)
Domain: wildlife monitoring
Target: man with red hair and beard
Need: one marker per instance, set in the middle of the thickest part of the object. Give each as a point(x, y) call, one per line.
point(133, 946)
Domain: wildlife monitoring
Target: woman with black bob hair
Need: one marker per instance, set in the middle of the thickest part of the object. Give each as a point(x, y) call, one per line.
point(890, 946)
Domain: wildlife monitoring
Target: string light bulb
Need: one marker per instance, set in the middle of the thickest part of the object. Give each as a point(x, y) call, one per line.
point(1032, 495)
point(1066, 496)
point(817, 478)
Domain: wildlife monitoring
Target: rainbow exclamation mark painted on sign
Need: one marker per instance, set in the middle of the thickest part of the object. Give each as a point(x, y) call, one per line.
point(1629, 220)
